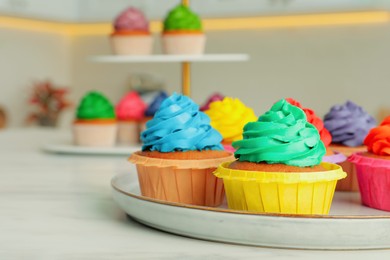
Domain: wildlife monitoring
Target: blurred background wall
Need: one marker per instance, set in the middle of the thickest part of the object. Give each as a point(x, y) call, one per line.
point(319, 66)
point(27, 56)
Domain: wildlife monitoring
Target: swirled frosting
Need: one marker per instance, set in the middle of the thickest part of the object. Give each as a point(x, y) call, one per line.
point(156, 103)
point(313, 119)
point(212, 98)
point(281, 135)
point(178, 125)
point(95, 105)
point(348, 124)
point(378, 139)
point(131, 19)
point(130, 107)
point(229, 117)
point(182, 18)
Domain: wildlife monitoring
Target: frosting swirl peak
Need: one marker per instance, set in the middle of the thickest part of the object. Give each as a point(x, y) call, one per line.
point(178, 125)
point(229, 117)
point(281, 135)
point(130, 107)
point(348, 124)
point(313, 119)
point(95, 105)
point(131, 19)
point(378, 139)
point(182, 18)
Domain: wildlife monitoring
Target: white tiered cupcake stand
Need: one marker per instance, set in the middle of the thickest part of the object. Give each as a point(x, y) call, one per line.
point(186, 61)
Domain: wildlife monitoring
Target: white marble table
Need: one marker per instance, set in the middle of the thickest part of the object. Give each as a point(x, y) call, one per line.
point(59, 207)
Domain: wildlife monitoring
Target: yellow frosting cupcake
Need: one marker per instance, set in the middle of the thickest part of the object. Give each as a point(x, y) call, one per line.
point(229, 117)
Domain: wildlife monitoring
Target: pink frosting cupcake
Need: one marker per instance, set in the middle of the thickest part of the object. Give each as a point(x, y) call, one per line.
point(130, 111)
point(131, 34)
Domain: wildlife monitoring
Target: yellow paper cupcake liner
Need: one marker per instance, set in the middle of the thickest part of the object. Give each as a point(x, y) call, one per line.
point(280, 192)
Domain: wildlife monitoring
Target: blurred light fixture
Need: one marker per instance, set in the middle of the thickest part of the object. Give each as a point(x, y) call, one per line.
point(247, 23)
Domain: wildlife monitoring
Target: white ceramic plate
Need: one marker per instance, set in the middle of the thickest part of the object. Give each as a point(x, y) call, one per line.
point(69, 148)
point(349, 225)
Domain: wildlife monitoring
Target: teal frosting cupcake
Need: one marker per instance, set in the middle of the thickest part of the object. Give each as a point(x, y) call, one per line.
point(281, 135)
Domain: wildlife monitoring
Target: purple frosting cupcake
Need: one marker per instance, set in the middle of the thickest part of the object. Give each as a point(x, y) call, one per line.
point(348, 124)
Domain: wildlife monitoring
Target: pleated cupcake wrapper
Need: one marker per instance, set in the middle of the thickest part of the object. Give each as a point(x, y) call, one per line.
point(350, 183)
point(374, 181)
point(334, 158)
point(182, 181)
point(280, 192)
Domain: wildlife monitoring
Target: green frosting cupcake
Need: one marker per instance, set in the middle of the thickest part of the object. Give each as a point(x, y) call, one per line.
point(182, 18)
point(281, 135)
point(95, 106)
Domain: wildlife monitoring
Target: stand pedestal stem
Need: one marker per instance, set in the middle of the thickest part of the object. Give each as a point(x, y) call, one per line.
point(186, 78)
point(186, 69)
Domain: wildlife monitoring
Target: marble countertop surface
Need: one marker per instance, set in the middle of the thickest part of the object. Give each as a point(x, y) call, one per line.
point(57, 206)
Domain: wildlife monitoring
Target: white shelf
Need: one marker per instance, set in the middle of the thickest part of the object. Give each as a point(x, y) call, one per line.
point(170, 58)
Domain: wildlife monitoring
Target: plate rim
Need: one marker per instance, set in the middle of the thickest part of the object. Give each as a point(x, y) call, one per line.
point(68, 148)
point(230, 211)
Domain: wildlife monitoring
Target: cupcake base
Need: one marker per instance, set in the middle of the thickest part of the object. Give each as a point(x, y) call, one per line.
point(128, 132)
point(350, 183)
point(89, 134)
point(132, 44)
point(346, 150)
point(181, 44)
point(183, 181)
point(280, 192)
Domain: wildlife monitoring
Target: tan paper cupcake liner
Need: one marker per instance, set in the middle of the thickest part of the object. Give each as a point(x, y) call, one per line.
point(182, 181)
point(189, 186)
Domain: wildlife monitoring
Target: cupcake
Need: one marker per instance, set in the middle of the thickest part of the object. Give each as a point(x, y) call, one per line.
point(229, 117)
point(326, 138)
point(95, 123)
point(179, 154)
point(279, 168)
point(183, 32)
point(131, 34)
point(212, 98)
point(129, 111)
point(373, 167)
point(152, 108)
point(348, 124)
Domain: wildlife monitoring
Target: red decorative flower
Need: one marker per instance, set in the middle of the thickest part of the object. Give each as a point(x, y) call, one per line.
point(48, 102)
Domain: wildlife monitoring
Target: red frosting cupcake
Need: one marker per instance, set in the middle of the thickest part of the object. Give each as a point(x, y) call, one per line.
point(130, 112)
point(373, 167)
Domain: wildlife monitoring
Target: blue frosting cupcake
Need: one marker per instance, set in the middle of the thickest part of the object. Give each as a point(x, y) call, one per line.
point(180, 152)
point(178, 125)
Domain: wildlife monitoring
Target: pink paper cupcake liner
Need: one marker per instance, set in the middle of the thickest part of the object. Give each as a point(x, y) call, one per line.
point(374, 181)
